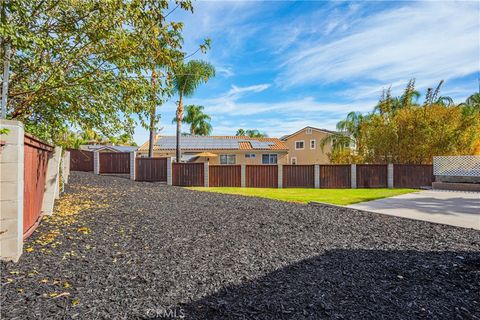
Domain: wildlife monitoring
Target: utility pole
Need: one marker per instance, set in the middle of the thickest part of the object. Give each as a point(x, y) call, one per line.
point(6, 65)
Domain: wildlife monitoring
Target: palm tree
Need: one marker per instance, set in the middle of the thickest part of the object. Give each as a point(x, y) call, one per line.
point(186, 79)
point(472, 104)
point(199, 122)
point(252, 133)
point(348, 132)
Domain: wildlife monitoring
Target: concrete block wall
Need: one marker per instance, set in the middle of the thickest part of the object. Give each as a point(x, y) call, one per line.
point(390, 175)
point(353, 172)
point(316, 178)
point(169, 171)
point(133, 156)
point(96, 162)
point(52, 181)
point(205, 174)
point(243, 174)
point(11, 190)
point(280, 176)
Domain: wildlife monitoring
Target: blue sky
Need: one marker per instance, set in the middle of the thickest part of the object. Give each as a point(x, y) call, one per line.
point(283, 65)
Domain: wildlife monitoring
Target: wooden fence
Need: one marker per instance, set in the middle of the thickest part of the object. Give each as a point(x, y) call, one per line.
point(36, 154)
point(151, 169)
point(224, 175)
point(412, 175)
point(372, 176)
point(298, 176)
point(261, 176)
point(188, 174)
point(114, 162)
point(335, 176)
point(81, 160)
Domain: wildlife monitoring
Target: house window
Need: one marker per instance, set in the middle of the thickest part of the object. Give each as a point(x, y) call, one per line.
point(313, 144)
point(293, 160)
point(250, 155)
point(269, 158)
point(227, 159)
point(308, 131)
point(299, 145)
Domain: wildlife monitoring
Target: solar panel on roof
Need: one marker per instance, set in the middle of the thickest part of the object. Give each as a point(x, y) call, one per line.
point(197, 143)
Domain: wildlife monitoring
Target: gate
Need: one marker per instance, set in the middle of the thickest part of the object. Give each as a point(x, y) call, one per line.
point(36, 155)
point(151, 169)
point(114, 162)
point(81, 160)
point(188, 174)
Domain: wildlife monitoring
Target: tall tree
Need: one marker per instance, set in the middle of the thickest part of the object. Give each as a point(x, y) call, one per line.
point(84, 64)
point(199, 121)
point(186, 79)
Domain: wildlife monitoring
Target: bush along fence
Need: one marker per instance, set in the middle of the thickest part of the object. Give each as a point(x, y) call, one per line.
point(32, 175)
point(264, 176)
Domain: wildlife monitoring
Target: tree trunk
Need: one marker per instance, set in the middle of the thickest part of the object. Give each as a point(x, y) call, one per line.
point(179, 127)
point(152, 116)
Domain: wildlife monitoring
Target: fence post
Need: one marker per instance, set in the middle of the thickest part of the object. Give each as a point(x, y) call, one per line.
point(316, 178)
point(52, 180)
point(169, 171)
point(133, 163)
point(11, 190)
point(243, 178)
point(353, 172)
point(205, 174)
point(96, 162)
point(390, 175)
point(280, 176)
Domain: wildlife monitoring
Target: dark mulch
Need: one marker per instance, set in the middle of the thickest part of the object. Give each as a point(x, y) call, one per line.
point(161, 251)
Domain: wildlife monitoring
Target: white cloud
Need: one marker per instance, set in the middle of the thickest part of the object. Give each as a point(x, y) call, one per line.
point(429, 41)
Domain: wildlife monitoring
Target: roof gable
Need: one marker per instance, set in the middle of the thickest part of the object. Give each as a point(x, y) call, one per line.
point(288, 136)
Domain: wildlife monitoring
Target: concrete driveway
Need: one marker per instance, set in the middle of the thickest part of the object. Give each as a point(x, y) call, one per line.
point(461, 209)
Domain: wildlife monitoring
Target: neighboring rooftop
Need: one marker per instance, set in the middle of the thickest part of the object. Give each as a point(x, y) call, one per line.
point(216, 143)
point(285, 137)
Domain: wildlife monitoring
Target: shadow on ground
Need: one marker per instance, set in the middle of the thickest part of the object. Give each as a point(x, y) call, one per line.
point(347, 284)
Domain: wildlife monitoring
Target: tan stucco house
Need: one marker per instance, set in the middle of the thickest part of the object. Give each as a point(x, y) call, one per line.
point(304, 146)
point(223, 149)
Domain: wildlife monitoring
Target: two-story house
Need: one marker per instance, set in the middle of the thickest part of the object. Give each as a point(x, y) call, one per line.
point(304, 146)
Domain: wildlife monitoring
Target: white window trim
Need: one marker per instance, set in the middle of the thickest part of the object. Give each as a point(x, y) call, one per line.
point(228, 155)
point(300, 148)
point(269, 154)
point(314, 144)
point(291, 160)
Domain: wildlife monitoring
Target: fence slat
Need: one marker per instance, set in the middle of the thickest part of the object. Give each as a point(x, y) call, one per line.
point(151, 169)
point(372, 175)
point(114, 162)
point(188, 174)
point(224, 175)
point(412, 175)
point(261, 176)
point(81, 160)
point(298, 176)
point(335, 176)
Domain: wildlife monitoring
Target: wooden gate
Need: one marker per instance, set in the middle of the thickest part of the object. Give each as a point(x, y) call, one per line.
point(372, 175)
point(36, 155)
point(261, 176)
point(114, 162)
point(335, 176)
point(81, 160)
point(412, 175)
point(151, 169)
point(225, 176)
point(188, 174)
point(298, 176)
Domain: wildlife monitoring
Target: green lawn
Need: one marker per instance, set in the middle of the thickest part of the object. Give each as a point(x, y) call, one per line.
point(333, 196)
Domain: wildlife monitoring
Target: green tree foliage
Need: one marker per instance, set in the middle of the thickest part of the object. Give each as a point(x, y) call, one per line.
point(85, 64)
point(186, 79)
point(252, 133)
point(199, 121)
point(400, 130)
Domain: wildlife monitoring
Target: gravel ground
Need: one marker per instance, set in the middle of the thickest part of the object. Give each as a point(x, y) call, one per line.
point(117, 249)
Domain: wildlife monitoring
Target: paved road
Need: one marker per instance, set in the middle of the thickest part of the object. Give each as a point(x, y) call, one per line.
point(461, 209)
